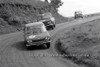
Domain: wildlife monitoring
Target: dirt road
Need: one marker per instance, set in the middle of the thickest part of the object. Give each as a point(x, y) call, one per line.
point(14, 54)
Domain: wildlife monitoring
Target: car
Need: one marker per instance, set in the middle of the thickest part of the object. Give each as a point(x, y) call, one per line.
point(78, 14)
point(50, 25)
point(48, 20)
point(36, 34)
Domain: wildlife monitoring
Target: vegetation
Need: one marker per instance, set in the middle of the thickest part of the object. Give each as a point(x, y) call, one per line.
point(81, 44)
point(14, 14)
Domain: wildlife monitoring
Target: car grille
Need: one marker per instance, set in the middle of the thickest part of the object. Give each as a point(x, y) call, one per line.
point(38, 40)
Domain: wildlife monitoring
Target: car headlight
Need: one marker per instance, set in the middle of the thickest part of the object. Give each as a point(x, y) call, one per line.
point(47, 38)
point(29, 40)
point(31, 37)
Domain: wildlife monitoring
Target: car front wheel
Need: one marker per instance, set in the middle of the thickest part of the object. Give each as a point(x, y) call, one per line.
point(47, 45)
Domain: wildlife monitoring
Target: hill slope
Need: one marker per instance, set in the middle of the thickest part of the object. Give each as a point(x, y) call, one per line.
point(13, 15)
point(81, 44)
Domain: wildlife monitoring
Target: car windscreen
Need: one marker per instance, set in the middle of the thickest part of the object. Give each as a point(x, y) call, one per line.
point(78, 12)
point(38, 29)
point(47, 22)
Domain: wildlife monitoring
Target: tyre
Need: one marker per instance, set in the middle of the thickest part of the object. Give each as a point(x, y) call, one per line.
point(82, 17)
point(75, 17)
point(52, 27)
point(47, 45)
point(28, 47)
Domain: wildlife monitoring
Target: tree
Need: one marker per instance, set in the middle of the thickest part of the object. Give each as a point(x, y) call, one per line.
point(56, 3)
point(46, 1)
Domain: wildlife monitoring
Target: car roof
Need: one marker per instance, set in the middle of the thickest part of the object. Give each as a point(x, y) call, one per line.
point(33, 24)
point(78, 11)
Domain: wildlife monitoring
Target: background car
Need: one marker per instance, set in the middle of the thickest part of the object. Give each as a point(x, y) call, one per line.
point(78, 14)
point(48, 20)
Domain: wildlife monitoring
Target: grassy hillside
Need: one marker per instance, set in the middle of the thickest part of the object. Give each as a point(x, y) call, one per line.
point(34, 3)
point(81, 44)
point(15, 13)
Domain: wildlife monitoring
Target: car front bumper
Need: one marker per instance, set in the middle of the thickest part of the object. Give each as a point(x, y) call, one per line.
point(37, 43)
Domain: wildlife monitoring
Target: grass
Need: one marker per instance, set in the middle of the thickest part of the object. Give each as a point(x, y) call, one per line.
point(81, 44)
point(35, 3)
point(14, 15)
